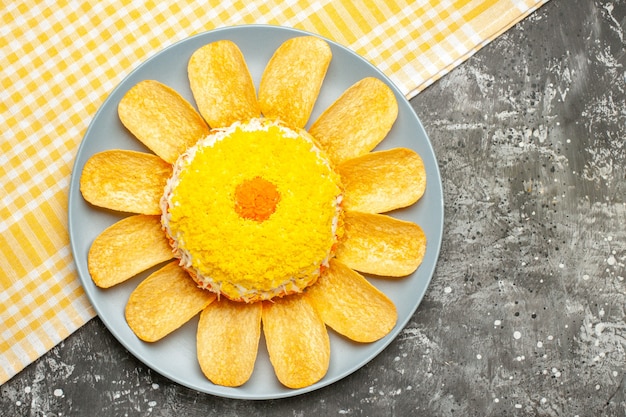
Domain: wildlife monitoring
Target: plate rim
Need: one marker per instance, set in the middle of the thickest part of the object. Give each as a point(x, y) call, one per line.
point(85, 278)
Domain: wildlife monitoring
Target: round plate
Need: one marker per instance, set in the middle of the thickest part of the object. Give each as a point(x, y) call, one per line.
point(175, 355)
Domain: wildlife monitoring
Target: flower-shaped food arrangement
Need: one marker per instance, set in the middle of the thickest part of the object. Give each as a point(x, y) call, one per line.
point(260, 225)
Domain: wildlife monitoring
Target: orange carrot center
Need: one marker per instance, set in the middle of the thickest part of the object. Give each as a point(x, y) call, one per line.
point(256, 199)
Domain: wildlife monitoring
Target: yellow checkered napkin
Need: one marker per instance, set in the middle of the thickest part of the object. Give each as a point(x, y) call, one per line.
point(59, 60)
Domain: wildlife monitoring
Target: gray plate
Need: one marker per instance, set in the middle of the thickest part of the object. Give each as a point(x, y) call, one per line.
point(175, 355)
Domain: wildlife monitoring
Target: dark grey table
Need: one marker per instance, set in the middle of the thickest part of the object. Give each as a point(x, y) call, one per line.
point(526, 312)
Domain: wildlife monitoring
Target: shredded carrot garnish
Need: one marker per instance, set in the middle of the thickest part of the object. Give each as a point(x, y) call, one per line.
point(256, 199)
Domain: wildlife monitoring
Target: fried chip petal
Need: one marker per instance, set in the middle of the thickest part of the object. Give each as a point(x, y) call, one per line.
point(297, 341)
point(350, 305)
point(382, 181)
point(292, 79)
point(222, 85)
point(127, 248)
point(381, 245)
point(357, 121)
point(228, 341)
point(161, 119)
point(124, 180)
point(163, 302)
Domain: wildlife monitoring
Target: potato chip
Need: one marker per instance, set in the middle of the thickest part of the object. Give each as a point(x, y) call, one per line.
point(357, 121)
point(163, 302)
point(161, 119)
point(125, 180)
point(222, 85)
point(381, 181)
point(350, 305)
point(292, 79)
point(127, 248)
point(297, 341)
point(228, 341)
point(381, 245)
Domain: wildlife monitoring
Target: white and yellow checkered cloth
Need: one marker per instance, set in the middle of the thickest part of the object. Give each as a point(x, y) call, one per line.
point(60, 59)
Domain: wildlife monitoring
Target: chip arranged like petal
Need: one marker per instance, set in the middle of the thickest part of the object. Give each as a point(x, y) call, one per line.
point(222, 85)
point(228, 341)
point(125, 180)
point(163, 302)
point(382, 181)
point(297, 341)
point(357, 121)
point(381, 245)
point(127, 248)
point(292, 79)
point(161, 119)
point(350, 305)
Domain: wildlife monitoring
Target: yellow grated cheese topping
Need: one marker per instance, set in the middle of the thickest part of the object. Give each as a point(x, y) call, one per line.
point(245, 258)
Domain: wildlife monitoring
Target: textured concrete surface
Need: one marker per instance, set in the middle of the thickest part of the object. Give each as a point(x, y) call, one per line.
point(526, 312)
